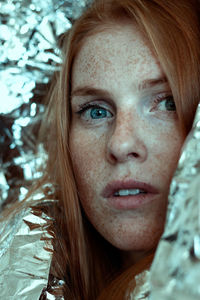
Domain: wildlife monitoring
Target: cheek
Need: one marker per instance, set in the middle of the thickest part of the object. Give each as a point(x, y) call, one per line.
point(167, 149)
point(87, 152)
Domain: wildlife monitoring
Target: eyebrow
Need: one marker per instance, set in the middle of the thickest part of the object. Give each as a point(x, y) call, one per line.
point(149, 83)
point(91, 91)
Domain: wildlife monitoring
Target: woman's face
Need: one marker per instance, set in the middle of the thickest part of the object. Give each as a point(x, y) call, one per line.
point(125, 137)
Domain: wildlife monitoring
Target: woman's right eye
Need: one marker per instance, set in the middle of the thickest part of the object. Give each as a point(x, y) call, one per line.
point(94, 112)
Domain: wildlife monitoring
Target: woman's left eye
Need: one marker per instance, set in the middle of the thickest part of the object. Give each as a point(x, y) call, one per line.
point(165, 103)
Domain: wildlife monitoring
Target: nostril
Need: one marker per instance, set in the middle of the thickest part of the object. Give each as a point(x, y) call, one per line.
point(121, 151)
point(121, 158)
point(113, 158)
point(134, 154)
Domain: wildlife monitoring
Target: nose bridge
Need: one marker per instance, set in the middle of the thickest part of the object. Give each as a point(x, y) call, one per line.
point(126, 141)
point(124, 125)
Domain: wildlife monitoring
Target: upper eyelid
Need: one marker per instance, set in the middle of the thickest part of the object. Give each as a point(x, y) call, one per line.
point(79, 100)
point(96, 103)
point(162, 92)
point(163, 96)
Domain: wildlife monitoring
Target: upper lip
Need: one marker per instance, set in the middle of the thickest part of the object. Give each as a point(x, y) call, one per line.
point(114, 186)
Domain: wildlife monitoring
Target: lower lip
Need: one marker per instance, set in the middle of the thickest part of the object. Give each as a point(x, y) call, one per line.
point(131, 202)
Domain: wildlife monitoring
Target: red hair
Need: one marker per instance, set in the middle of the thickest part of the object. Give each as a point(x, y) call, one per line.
point(172, 29)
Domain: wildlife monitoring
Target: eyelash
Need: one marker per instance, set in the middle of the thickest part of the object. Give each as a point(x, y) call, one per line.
point(87, 106)
point(161, 98)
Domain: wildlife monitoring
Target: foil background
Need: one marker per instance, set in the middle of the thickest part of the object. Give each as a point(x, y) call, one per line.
point(142, 288)
point(175, 271)
point(29, 55)
point(25, 254)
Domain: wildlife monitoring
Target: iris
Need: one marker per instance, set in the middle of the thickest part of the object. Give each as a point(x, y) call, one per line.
point(170, 104)
point(98, 113)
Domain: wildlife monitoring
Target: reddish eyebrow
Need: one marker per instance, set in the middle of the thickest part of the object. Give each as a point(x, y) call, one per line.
point(90, 91)
point(152, 82)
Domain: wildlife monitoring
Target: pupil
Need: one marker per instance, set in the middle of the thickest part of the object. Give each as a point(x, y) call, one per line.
point(98, 113)
point(170, 104)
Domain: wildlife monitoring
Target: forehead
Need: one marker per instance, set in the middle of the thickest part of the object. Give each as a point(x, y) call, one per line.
point(117, 52)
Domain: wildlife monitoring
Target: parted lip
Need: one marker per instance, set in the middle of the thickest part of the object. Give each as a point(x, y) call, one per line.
point(114, 186)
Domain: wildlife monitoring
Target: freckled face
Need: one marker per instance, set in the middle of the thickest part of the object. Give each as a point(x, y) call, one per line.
point(125, 137)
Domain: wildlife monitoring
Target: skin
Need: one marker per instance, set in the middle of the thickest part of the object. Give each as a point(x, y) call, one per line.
point(137, 137)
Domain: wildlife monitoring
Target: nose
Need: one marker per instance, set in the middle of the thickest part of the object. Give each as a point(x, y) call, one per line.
point(126, 141)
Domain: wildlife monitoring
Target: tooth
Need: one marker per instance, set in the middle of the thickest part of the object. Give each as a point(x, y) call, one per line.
point(128, 192)
point(134, 192)
point(123, 192)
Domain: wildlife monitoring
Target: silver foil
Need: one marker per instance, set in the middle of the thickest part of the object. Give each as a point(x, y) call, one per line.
point(142, 288)
point(175, 271)
point(26, 249)
point(25, 254)
point(29, 55)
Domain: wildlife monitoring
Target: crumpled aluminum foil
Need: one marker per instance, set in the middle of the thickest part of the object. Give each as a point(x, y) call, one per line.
point(29, 55)
point(25, 252)
point(26, 249)
point(142, 288)
point(175, 271)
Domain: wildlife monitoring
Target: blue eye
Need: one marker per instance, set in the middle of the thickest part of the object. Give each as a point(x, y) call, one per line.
point(98, 113)
point(94, 112)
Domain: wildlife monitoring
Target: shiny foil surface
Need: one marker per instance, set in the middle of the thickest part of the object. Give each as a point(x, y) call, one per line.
point(142, 288)
point(26, 249)
point(175, 271)
point(25, 255)
point(29, 55)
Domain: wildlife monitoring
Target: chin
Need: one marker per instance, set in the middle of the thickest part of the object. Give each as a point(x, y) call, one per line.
point(136, 246)
point(142, 242)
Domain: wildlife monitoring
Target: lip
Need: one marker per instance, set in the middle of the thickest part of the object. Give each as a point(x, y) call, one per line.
point(131, 201)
